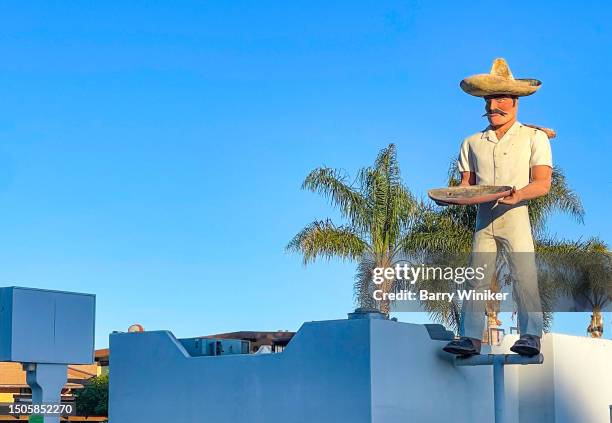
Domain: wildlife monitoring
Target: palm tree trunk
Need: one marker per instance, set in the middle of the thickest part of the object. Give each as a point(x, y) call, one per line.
point(385, 304)
point(596, 327)
point(492, 323)
point(491, 311)
point(387, 285)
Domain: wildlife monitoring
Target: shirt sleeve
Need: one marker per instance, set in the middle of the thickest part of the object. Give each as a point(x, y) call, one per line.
point(541, 153)
point(464, 163)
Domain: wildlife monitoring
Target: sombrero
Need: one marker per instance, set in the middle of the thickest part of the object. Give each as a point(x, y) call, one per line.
point(499, 81)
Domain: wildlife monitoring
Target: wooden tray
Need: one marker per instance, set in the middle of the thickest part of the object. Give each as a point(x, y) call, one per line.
point(474, 194)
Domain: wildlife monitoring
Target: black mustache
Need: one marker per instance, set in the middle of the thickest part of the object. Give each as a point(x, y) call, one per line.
point(495, 111)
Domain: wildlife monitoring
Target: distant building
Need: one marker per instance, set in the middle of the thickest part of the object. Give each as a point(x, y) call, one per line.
point(101, 358)
point(277, 341)
point(13, 386)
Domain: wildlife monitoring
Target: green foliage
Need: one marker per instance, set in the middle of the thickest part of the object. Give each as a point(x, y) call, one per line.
point(378, 210)
point(582, 270)
point(323, 238)
point(92, 400)
point(561, 198)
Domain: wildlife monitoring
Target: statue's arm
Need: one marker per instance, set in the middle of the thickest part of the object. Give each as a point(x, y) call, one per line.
point(468, 178)
point(465, 165)
point(541, 177)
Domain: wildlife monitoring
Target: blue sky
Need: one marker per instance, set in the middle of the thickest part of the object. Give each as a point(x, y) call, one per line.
point(152, 152)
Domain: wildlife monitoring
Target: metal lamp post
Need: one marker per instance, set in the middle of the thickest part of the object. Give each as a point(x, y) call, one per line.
point(498, 361)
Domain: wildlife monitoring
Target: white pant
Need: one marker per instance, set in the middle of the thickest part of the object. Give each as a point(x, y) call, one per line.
point(500, 226)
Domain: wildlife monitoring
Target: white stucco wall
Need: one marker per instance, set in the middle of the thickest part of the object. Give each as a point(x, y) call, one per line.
point(359, 371)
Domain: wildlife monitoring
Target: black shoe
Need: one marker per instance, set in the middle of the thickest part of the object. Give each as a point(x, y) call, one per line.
point(527, 345)
point(463, 346)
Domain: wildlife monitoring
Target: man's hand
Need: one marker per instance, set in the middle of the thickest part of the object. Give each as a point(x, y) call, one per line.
point(514, 197)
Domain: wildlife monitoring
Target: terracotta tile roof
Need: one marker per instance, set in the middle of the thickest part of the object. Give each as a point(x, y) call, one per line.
point(102, 353)
point(13, 375)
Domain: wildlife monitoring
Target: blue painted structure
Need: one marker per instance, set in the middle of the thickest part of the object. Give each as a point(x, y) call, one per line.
point(46, 330)
point(357, 370)
point(44, 326)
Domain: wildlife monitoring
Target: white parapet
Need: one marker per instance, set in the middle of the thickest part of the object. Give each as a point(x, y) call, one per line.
point(354, 371)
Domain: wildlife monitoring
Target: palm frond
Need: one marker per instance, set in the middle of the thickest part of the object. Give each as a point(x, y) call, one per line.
point(392, 204)
point(323, 238)
point(580, 270)
point(333, 185)
point(436, 231)
point(561, 198)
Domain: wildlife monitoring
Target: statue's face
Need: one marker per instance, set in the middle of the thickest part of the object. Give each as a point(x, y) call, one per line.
point(501, 109)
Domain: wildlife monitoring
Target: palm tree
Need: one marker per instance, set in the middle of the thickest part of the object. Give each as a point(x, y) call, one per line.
point(582, 271)
point(378, 210)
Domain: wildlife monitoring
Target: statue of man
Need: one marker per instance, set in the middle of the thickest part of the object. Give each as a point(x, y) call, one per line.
point(505, 153)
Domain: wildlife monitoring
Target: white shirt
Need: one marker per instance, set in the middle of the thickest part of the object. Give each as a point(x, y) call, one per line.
point(507, 161)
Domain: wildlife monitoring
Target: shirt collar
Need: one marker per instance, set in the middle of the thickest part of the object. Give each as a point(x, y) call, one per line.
point(489, 133)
